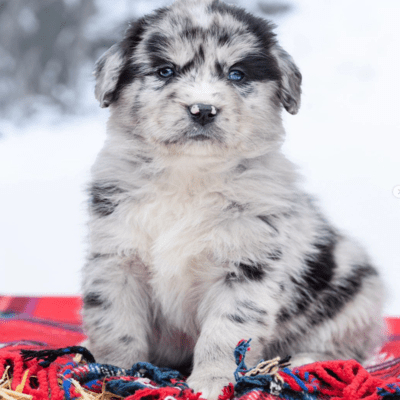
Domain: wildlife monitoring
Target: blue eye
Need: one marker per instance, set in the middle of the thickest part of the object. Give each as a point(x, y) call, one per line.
point(235, 75)
point(166, 72)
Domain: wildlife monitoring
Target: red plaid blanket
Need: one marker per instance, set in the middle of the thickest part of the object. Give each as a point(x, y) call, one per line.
point(46, 323)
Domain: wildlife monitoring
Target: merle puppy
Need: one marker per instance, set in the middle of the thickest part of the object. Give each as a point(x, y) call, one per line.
point(200, 235)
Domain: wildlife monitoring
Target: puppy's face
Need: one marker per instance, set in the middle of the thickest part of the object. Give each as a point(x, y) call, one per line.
point(199, 78)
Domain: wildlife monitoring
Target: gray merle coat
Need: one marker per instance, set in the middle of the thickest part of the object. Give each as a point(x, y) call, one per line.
point(200, 234)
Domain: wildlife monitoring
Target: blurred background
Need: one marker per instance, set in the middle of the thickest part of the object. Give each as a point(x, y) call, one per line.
point(345, 139)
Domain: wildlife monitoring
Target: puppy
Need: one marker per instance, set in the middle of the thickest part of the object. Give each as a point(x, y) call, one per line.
point(200, 235)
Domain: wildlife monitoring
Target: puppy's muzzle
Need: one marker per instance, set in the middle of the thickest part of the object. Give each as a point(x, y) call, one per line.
point(203, 114)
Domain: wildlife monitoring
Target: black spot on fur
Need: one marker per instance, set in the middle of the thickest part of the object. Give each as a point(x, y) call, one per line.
point(320, 296)
point(97, 256)
point(200, 54)
point(223, 38)
point(188, 66)
point(284, 315)
point(134, 34)
point(338, 295)
point(267, 220)
point(252, 272)
point(317, 277)
point(321, 266)
point(127, 76)
point(133, 37)
point(156, 44)
point(252, 306)
point(92, 299)
point(233, 205)
point(171, 96)
point(261, 28)
point(275, 255)
point(197, 60)
point(237, 318)
point(241, 168)
point(126, 339)
point(257, 67)
point(191, 33)
point(128, 46)
point(219, 70)
point(157, 60)
point(101, 195)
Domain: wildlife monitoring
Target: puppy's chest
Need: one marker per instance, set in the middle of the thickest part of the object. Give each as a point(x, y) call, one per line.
point(169, 230)
point(174, 216)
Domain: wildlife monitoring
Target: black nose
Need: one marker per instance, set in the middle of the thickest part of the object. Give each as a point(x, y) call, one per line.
point(202, 113)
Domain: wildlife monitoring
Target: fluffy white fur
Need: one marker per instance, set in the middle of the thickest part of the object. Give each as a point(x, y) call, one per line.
point(199, 234)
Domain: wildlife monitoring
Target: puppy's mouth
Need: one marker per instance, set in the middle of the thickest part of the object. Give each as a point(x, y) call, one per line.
point(197, 134)
point(200, 134)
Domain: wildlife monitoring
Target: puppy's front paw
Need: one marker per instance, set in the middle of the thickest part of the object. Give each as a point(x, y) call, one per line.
point(208, 384)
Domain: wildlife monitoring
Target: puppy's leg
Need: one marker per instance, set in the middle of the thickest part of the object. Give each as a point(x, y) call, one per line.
point(227, 316)
point(116, 310)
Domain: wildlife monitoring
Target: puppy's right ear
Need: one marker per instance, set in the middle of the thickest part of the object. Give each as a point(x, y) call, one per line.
point(290, 92)
point(106, 72)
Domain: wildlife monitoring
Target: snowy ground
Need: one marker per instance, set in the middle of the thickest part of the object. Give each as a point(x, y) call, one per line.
point(345, 140)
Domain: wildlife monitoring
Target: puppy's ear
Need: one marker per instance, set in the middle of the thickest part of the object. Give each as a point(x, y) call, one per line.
point(290, 91)
point(106, 72)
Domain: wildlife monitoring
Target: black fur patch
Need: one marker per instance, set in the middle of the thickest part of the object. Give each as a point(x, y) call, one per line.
point(171, 96)
point(101, 198)
point(322, 299)
point(191, 33)
point(188, 66)
point(275, 255)
point(128, 46)
point(252, 272)
point(252, 306)
point(126, 339)
point(321, 267)
point(197, 60)
point(92, 299)
point(316, 278)
point(156, 44)
point(233, 205)
point(237, 318)
point(126, 76)
point(219, 70)
point(200, 56)
point(336, 297)
point(223, 38)
point(267, 220)
point(133, 37)
point(135, 32)
point(261, 28)
point(97, 256)
point(257, 68)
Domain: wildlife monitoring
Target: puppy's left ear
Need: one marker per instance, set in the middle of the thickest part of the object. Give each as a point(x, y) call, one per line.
point(106, 72)
point(290, 91)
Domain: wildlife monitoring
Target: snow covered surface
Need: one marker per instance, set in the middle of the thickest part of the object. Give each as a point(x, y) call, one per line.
point(345, 140)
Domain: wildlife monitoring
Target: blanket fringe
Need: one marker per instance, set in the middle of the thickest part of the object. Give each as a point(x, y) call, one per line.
point(55, 374)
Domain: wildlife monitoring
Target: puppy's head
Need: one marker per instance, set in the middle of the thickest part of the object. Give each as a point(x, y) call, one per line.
point(199, 77)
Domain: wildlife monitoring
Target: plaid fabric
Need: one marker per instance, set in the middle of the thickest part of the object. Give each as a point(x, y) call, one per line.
point(55, 322)
point(52, 321)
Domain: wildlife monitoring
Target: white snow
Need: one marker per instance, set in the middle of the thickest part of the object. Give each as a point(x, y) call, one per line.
point(345, 140)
